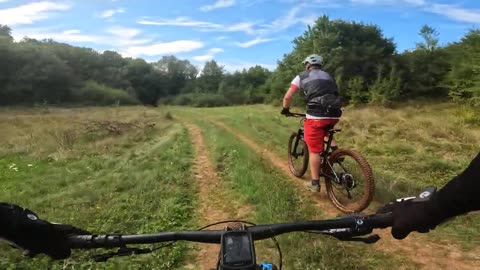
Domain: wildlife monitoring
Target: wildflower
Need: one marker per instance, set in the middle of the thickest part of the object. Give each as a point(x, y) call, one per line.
point(13, 167)
point(30, 165)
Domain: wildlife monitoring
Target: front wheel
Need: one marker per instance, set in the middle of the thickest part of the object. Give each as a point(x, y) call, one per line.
point(349, 181)
point(297, 155)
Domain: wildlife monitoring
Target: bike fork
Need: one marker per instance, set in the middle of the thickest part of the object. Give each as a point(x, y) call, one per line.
point(297, 140)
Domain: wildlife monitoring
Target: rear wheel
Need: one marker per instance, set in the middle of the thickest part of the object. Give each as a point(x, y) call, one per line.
point(350, 185)
point(297, 156)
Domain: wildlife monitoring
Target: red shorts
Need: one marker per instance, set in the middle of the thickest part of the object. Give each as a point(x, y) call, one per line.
point(315, 132)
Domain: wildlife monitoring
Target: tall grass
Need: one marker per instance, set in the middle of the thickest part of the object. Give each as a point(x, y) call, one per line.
point(138, 184)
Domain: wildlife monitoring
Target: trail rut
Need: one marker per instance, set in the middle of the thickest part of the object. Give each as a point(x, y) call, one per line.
point(416, 248)
point(211, 199)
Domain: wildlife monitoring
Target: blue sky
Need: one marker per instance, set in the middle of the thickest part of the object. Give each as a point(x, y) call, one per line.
point(236, 33)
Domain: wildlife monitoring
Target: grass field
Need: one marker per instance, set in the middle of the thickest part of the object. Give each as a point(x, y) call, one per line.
point(129, 170)
point(133, 182)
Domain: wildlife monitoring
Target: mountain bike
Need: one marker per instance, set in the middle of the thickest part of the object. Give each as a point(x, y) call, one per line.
point(348, 176)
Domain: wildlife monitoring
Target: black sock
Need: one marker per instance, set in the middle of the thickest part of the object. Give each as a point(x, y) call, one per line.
point(334, 148)
point(315, 182)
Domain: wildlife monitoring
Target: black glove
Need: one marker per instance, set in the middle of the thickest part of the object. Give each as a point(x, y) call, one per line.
point(285, 111)
point(26, 230)
point(413, 214)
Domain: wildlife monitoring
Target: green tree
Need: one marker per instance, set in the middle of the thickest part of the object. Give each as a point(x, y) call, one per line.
point(178, 73)
point(351, 51)
point(430, 38)
point(427, 66)
point(147, 83)
point(464, 77)
point(211, 76)
point(39, 76)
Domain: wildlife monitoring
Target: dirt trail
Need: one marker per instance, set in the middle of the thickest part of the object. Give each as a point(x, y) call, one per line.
point(212, 207)
point(417, 248)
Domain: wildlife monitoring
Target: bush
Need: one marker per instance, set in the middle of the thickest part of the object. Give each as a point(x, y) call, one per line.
point(468, 115)
point(210, 100)
point(200, 100)
point(356, 91)
point(93, 93)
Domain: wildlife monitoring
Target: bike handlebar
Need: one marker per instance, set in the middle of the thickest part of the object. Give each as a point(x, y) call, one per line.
point(355, 225)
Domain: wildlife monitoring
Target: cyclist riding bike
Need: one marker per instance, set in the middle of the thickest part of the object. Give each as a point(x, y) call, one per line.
point(323, 110)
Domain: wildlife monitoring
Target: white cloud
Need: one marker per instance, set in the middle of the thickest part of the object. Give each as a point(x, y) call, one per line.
point(456, 13)
point(246, 27)
point(130, 42)
point(3, 1)
point(72, 32)
point(385, 2)
point(288, 20)
point(182, 21)
point(364, 1)
point(415, 2)
point(29, 13)
point(208, 56)
point(70, 35)
point(125, 36)
point(249, 3)
point(218, 4)
point(116, 37)
point(238, 65)
point(124, 31)
point(293, 17)
point(221, 38)
point(111, 12)
point(253, 42)
point(163, 48)
point(216, 50)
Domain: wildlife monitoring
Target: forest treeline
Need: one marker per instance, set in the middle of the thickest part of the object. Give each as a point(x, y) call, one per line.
point(366, 65)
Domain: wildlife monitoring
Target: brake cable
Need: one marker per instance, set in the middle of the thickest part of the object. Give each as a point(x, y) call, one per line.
point(127, 251)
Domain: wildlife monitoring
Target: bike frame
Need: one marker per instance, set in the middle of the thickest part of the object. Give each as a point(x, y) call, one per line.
point(325, 154)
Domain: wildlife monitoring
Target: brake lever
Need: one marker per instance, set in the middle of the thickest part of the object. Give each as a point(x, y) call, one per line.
point(371, 239)
point(347, 234)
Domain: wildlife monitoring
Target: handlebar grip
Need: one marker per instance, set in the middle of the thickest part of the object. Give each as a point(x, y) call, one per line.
point(380, 220)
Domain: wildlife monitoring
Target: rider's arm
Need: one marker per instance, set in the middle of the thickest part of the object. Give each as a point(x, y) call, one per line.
point(287, 99)
point(25, 229)
point(294, 86)
point(457, 197)
point(461, 194)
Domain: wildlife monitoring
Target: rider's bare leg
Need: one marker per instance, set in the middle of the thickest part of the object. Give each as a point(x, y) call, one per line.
point(315, 160)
